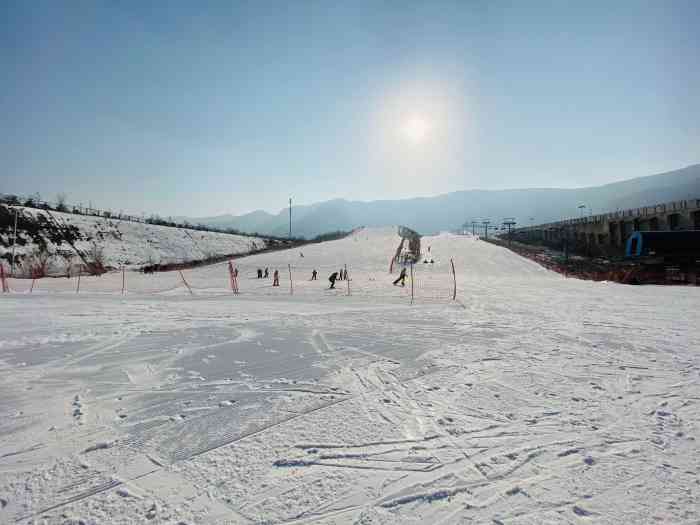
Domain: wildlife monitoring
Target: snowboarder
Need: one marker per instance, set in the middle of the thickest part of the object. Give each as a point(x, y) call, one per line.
point(275, 278)
point(314, 273)
point(401, 277)
point(332, 279)
point(267, 273)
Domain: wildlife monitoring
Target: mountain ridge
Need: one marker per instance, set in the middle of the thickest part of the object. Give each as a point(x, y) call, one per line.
point(450, 210)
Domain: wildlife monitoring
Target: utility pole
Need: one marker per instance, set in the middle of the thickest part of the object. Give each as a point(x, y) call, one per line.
point(509, 222)
point(486, 229)
point(290, 217)
point(14, 242)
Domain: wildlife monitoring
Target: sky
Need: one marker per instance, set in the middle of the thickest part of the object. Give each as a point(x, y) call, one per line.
point(206, 108)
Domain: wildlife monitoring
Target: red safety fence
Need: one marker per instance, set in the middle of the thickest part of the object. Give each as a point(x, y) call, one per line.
point(427, 283)
point(5, 286)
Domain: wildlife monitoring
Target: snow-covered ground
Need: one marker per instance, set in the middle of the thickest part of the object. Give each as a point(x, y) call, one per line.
point(532, 399)
point(121, 243)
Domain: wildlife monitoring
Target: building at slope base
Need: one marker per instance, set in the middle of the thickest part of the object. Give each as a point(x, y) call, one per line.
point(607, 233)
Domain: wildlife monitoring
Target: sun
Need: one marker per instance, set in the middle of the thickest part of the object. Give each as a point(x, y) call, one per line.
point(415, 129)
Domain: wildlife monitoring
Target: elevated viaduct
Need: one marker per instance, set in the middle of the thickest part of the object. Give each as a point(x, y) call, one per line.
point(607, 233)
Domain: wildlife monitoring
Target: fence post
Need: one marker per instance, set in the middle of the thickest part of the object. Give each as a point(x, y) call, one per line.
point(233, 278)
point(184, 281)
point(347, 279)
point(5, 287)
point(454, 279)
point(291, 286)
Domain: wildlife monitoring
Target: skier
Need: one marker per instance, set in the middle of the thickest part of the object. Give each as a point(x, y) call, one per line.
point(340, 275)
point(345, 274)
point(275, 278)
point(332, 279)
point(267, 273)
point(301, 254)
point(313, 275)
point(259, 273)
point(401, 277)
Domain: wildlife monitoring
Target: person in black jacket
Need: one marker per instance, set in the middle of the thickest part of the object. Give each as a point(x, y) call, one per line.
point(332, 279)
point(401, 278)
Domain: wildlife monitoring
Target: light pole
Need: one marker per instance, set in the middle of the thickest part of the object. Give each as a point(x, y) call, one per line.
point(509, 222)
point(486, 229)
point(14, 242)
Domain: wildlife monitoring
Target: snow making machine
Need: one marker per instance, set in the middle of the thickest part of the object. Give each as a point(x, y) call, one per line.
point(664, 256)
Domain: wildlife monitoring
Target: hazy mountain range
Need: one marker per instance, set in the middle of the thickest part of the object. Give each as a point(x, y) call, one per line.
point(451, 210)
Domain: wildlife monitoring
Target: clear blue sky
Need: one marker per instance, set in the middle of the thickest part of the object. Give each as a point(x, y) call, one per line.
point(202, 108)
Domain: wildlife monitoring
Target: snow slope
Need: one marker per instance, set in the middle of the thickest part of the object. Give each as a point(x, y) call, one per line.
point(122, 243)
point(532, 399)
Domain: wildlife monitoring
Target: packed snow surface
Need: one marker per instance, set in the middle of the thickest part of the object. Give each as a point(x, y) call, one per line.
point(531, 399)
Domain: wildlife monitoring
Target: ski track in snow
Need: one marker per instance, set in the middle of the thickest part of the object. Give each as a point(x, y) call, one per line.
point(534, 399)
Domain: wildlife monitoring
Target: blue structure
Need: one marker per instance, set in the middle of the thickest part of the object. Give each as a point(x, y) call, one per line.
point(668, 245)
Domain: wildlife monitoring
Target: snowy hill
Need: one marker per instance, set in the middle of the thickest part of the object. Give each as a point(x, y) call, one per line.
point(61, 241)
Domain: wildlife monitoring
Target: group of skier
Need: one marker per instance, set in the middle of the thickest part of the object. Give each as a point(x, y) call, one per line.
point(340, 275)
point(266, 273)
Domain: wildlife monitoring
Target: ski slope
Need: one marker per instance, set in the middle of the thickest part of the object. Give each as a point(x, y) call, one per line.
point(531, 399)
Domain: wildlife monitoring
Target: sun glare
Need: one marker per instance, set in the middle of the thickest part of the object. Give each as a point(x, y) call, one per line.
point(416, 129)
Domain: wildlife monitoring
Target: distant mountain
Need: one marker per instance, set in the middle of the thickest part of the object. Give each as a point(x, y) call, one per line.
point(258, 220)
point(449, 211)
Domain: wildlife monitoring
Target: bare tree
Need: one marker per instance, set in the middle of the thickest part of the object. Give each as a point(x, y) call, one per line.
point(96, 259)
point(38, 262)
point(61, 199)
